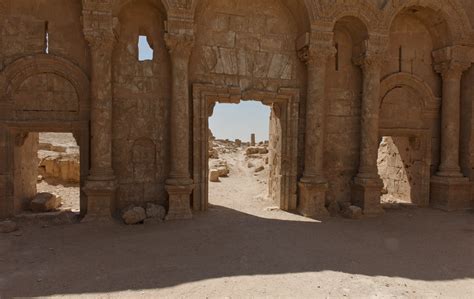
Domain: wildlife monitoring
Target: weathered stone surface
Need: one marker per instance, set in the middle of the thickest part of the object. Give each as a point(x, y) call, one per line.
point(134, 215)
point(214, 175)
point(45, 202)
point(155, 211)
point(8, 226)
point(143, 124)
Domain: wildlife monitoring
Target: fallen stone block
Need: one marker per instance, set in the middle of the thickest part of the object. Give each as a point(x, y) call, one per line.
point(45, 202)
point(223, 171)
point(214, 175)
point(155, 211)
point(134, 215)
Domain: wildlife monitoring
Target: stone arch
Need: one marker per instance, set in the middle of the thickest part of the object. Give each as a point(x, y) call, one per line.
point(451, 12)
point(161, 5)
point(367, 14)
point(428, 103)
point(27, 67)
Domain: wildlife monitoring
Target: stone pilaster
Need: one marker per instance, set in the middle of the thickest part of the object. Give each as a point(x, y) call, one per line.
point(313, 185)
point(100, 186)
point(450, 190)
point(179, 184)
point(367, 185)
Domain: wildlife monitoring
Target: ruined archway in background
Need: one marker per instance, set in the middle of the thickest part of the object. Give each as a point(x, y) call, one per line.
point(285, 105)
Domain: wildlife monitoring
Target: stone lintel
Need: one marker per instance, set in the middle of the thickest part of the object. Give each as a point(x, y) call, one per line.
point(366, 194)
point(179, 202)
point(451, 193)
point(313, 200)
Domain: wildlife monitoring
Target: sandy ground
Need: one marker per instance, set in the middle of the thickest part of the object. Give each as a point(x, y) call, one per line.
point(68, 192)
point(243, 248)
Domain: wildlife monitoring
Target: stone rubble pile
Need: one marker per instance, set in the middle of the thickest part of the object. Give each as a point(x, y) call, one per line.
point(152, 214)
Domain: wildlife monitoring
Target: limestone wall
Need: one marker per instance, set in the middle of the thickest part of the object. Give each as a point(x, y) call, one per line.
point(24, 24)
point(246, 43)
point(141, 107)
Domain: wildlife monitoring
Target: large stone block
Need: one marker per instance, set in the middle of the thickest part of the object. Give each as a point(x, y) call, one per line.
point(451, 194)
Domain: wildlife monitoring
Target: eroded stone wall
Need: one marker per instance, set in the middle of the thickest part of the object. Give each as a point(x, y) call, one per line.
point(24, 25)
point(250, 44)
point(141, 107)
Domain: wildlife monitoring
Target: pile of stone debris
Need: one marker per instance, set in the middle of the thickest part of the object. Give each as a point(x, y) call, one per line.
point(151, 214)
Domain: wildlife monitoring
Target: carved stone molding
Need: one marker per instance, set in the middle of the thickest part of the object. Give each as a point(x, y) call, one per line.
point(316, 54)
point(179, 45)
point(451, 62)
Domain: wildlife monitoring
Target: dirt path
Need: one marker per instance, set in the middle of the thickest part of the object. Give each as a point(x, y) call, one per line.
point(243, 249)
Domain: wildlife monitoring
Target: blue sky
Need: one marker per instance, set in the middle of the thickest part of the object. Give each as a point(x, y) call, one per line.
point(144, 50)
point(238, 121)
point(230, 121)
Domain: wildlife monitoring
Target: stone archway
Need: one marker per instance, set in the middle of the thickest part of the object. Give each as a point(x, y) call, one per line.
point(285, 104)
point(407, 109)
point(42, 93)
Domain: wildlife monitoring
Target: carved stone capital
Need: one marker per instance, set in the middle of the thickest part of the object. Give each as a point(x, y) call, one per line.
point(101, 42)
point(452, 61)
point(452, 70)
point(315, 54)
point(369, 62)
point(179, 45)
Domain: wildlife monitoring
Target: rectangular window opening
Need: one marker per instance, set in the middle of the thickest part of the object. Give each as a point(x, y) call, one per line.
point(145, 52)
point(46, 38)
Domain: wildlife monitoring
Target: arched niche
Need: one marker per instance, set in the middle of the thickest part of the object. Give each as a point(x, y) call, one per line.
point(45, 87)
point(407, 102)
point(447, 20)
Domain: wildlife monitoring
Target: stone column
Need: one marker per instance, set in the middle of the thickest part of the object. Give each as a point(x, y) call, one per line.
point(449, 187)
point(367, 185)
point(179, 184)
point(313, 185)
point(100, 186)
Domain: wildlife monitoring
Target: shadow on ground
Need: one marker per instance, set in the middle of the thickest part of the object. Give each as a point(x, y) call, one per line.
point(419, 244)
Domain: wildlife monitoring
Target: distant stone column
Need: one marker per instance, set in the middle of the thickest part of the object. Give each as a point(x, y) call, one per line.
point(313, 185)
point(367, 185)
point(252, 140)
point(179, 185)
point(449, 187)
point(100, 186)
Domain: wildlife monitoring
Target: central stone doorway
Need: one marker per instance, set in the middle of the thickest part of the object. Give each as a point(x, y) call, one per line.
point(285, 109)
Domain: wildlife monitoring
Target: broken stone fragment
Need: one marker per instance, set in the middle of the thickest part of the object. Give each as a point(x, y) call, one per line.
point(45, 202)
point(134, 215)
point(352, 212)
point(8, 226)
point(155, 211)
point(223, 171)
point(214, 175)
